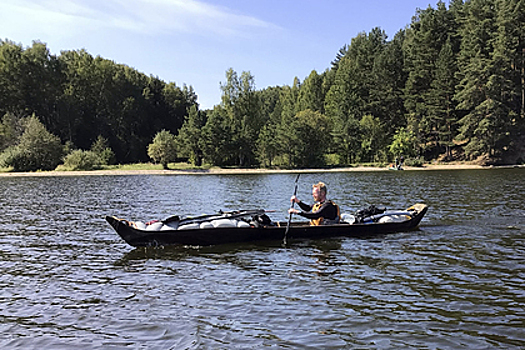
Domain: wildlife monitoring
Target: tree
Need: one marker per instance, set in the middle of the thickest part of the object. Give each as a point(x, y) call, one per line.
point(11, 129)
point(190, 135)
point(441, 105)
point(242, 105)
point(216, 141)
point(428, 33)
point(100, 147)
point(476, 92)
point(372, 138)
point(38, 149)
point(285, 130)
point(311, 94)
point(340, 108)
point(508, 80)
point(82, 160)
point(404, 143)
point(163, 149)
point(310, 138)
point(388, 82)
point(267, 146)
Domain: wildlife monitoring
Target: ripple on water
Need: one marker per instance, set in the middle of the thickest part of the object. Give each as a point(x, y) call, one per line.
point(67, 280)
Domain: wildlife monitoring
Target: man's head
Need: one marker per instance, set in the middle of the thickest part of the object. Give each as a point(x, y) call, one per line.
point(319, 191)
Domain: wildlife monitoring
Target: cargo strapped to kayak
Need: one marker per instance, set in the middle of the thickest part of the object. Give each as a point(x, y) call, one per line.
point(362, 214)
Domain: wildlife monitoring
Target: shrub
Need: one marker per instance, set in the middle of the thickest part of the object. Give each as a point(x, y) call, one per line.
point(82, 160)
point(12, 157)
point(103, 151)
point(415, 162)
point(38, 149)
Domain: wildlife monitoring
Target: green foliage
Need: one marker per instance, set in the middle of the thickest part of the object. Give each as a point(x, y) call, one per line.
point(489, 89)
point(103, 152)
point(163, 149)
point(82, 160)
point(78, 97)
point(12, 157)
point(311, 94)
point(310, 135)
point(11, 128)
point(216, 139)
point(453, 73)
point(190, 135)
point(372, 139)
point(242, 106)
point(404, 144)
point(37, 149)
point(414, 162)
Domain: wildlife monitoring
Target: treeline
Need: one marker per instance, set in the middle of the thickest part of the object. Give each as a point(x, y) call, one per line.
point(451, 86)
point(80, 98)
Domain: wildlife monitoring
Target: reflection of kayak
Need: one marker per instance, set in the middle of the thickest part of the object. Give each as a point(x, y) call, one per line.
point(254, 225)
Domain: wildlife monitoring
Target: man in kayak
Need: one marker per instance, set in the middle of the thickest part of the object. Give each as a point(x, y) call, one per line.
point(322, 212)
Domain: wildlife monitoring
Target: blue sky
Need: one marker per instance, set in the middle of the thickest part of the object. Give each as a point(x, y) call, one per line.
point(194, 42)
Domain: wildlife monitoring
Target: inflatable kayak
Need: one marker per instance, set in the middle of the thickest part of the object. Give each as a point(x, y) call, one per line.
point(255, 225)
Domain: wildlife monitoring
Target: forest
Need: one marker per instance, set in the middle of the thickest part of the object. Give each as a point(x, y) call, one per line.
point(450, 86)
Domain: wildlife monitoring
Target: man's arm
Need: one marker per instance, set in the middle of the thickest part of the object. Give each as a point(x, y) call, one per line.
point(304, 206)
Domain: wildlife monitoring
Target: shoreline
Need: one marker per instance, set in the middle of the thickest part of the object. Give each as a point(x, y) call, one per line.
point(220, 171)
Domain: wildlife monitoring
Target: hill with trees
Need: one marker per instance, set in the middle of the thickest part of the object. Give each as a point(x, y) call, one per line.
point(449, 86)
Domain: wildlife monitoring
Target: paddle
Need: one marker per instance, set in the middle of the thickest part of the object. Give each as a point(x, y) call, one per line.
point(291, 207)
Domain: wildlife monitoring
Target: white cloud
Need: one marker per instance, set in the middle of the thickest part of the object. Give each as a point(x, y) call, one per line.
point(150, 17)
point(188, 16)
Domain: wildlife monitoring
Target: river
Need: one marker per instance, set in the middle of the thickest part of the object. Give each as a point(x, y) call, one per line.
point(69, 282)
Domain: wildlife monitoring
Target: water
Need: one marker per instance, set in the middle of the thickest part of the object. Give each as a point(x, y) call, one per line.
point(68, 281)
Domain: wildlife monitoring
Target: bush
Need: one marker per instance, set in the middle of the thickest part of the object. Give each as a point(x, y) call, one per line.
point(163, 149)
point(12, 157)
point(101, 148)
point(415, 162)
point(37, 149)
point(82, 160)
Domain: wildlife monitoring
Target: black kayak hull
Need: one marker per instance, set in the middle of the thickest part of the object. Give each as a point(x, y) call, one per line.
point(301, 230)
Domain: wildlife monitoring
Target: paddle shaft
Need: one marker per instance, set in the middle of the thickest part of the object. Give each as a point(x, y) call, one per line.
point(291, 207)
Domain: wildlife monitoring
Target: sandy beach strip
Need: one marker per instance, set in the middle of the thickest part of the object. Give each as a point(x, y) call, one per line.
point(220, 171)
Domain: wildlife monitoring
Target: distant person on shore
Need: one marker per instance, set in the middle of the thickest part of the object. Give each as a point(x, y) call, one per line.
point(322, 212)
point(401, 163)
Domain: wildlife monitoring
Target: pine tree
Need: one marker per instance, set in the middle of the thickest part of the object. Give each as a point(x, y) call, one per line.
point(389, 79)
point(508, 80)
point(442, 107)
point(339, 109)
point(311, 94)
point(477, 92)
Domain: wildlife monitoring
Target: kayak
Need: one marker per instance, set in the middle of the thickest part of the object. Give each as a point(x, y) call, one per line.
point(254, 225)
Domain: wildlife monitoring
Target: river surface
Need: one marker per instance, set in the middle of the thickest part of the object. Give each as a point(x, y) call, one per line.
point(69, 282)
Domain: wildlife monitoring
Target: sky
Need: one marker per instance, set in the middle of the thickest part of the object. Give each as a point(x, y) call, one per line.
point(194, 42)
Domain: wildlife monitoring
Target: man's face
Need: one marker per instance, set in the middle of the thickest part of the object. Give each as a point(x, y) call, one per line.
point(316, 193)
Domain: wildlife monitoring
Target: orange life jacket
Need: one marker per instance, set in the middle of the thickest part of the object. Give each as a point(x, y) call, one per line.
point(319, 221)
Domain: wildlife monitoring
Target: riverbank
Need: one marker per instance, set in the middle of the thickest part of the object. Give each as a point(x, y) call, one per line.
point(222, 171)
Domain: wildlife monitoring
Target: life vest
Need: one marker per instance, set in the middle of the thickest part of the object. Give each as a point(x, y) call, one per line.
point(323, 221)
